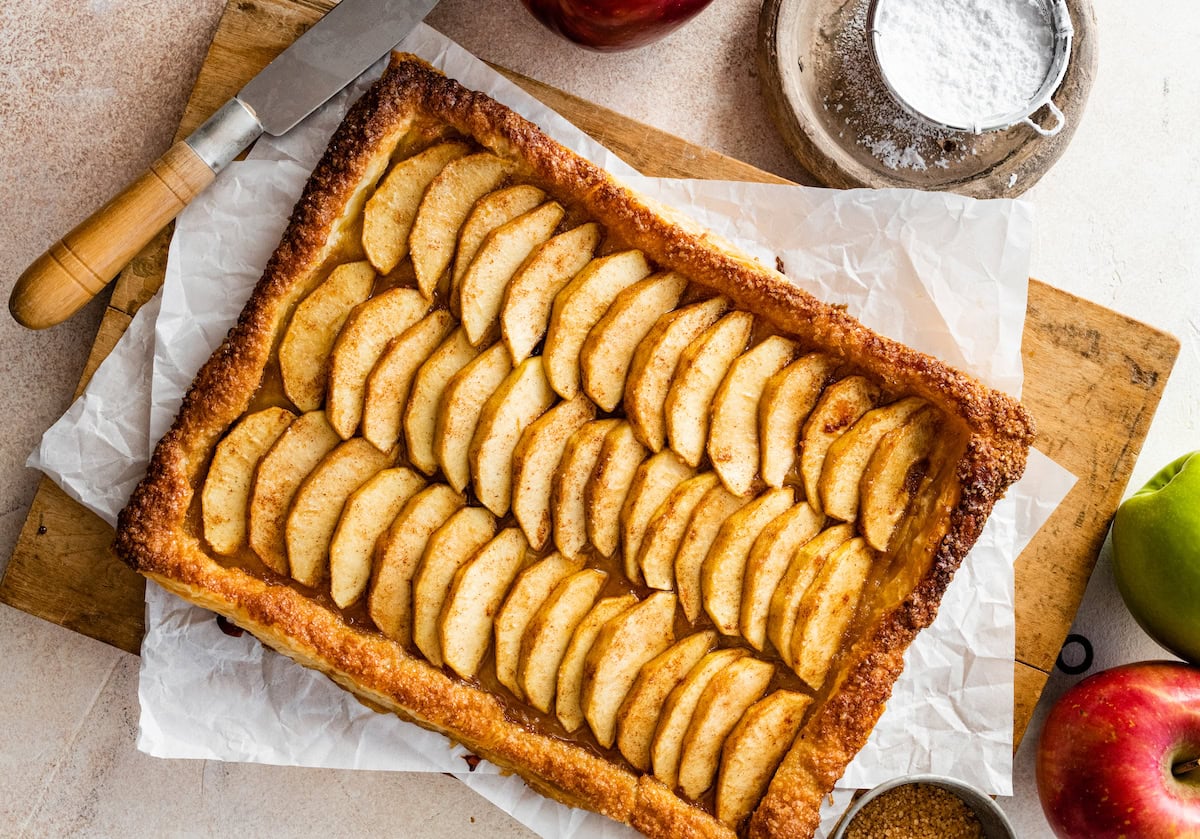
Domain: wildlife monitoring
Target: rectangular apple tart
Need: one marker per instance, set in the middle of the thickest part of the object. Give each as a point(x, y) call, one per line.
point(510, 451)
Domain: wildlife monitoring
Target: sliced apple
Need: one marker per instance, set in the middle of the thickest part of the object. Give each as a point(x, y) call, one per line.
point(504, 251)
point(450, 547)
point(304, 350)
point(666, 529)
point(802, 570)
point(787, 400)
point(827, 609)
point(567, 503)
point(535, 460)
point(608, 350)
point(577, 308)
point(459, 412)
point(443, 210)
point(367, 513)
point(839, 407)
point(653, 482)
point(608, 487)
point(754, 750)
point(531, 589)
point(886, 487)
point(654, 363)
point(639, 713)
point(624, 644)
point(717, 505)
point(525, 314)
point(478, 589)
point(391, 379)
point(768, 562)
point(367, 332)
point(285, 465)
point(567, 705)
point(699, 373)
point(398, 553)
point(733, 445)
point(493, 210)
point(723, 572)
point(389, 213)
point(317, 507)
point(225, 499)
point(425, 397)
point(724, 701)
point(522, 397)
point(549, 632)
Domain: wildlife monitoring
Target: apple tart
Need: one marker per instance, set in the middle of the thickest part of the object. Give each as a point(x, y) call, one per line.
point(510, 451)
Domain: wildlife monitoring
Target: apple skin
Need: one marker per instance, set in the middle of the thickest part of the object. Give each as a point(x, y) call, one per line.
point(1156, 556)
point(608, 25)
point(1105, 755)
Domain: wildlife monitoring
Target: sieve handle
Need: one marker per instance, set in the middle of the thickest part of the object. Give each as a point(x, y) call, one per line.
point(1060, 121)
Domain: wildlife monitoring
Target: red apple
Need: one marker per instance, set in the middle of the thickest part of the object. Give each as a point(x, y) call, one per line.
point(1114, 756)
point(614, 24)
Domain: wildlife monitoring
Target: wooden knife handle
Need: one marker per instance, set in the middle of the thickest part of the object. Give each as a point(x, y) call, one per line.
point(77, 267)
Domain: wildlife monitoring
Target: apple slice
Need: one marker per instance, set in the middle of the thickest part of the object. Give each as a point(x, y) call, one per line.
point(368, 512)
point(801, 571)
point(478, 589)
point(522, 397)
point(724, 701)
point(389, 213)
point(827, 609)
point(677, 711)
point(578, 307)
point(525, 313)
point(367, 332)
point(624, 644)
point(768, 562)
point(443, 210)
point(549, 632)
point(717, 505)
point(885, 487)
point(398, 553)
point(450, 547)
point(462, 405)
point(666, 529)
point(304, 350)
point(723, 572)
point(847, 458)
point(531, 589)
point(699, 373)
point(639, 713)
point(839, 407)
point(567, 488)
point(391, 379)
point(733, 445)
point(567, 706)
point(654, 363)
point(787, 400)
point(481, 292)
point(754, 750)
point(317, 507)
point(653, 482)
point(425, 397)
point(608, 350)
point(606, 490)
point(296, 453)
point(493, 210)
point(535, 460)
point(225, 499)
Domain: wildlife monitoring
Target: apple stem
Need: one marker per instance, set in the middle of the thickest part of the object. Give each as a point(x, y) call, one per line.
point(1181, 769)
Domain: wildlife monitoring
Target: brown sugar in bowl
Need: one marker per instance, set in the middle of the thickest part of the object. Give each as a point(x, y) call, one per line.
point(924, 807)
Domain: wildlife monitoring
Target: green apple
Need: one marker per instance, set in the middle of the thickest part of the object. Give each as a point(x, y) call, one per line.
point(1156, 553)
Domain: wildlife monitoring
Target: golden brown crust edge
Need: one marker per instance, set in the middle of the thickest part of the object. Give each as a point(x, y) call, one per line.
point(152, 536)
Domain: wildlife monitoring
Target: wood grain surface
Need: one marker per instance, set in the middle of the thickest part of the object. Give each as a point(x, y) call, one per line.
point(1093, 380)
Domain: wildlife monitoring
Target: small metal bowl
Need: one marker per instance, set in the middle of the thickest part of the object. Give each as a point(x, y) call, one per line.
point(995, 824)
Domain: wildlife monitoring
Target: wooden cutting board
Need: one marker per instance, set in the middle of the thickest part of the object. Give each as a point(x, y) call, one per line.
point(1093, 381)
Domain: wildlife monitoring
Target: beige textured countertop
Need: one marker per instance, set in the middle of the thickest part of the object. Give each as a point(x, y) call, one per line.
point(91, 92)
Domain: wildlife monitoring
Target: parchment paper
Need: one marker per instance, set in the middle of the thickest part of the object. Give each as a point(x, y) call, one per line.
point(943, 273)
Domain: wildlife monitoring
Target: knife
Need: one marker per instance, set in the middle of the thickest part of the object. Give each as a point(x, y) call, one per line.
point(335, 51)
